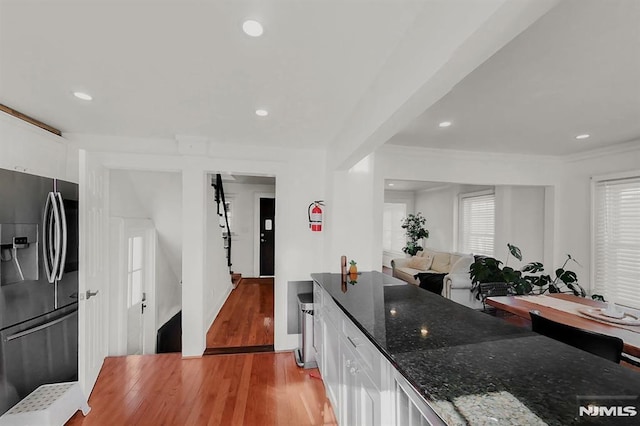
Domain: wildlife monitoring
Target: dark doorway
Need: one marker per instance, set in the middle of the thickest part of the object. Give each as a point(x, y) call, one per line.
point(267, 235)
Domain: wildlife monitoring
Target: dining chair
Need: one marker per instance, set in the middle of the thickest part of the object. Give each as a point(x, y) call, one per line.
point(608, 347)
point(492, 289)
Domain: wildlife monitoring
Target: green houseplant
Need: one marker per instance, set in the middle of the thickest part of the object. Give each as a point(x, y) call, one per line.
point(414, 226)
point(530, 279)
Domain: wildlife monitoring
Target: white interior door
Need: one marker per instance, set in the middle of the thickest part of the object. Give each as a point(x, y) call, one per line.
point(92, 312)
point(132, 326)
point(136, 293)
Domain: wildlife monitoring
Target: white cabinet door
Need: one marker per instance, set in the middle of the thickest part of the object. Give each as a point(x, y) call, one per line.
point(318, 335)
point(368, 401)
point(410, 408)
point(361, 402)
point(331, 366)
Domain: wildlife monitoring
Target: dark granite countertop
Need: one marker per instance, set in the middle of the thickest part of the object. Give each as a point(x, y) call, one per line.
point(464, 355)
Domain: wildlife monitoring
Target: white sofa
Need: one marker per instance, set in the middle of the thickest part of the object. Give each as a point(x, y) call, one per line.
point(457, 282)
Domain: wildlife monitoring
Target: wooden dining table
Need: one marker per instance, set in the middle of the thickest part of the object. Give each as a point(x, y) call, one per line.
point(519, 306)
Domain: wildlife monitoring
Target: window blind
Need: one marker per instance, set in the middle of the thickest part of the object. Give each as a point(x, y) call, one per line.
point(617, 240)
point(477, 223)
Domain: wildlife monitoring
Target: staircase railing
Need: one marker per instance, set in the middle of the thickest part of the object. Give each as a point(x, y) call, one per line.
point(219, 199)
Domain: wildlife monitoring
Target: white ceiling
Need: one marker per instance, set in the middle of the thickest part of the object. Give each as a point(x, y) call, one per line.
point(168, 67)
point(576, 70)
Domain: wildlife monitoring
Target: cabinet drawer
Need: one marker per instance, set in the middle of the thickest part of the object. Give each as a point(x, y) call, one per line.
point(367, 355)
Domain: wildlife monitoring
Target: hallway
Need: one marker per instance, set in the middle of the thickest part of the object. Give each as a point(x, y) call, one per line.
point(245, 322)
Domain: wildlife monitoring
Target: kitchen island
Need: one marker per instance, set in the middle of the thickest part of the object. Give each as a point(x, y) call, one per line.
point(467, 367)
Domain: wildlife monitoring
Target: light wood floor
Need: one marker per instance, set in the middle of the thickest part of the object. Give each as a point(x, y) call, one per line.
point(243, 389)
point(246, 319)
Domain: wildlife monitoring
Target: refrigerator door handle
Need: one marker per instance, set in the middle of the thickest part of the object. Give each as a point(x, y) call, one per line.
point(47, 244)
point(62, 251)
point(38, 327)
point(51, 232)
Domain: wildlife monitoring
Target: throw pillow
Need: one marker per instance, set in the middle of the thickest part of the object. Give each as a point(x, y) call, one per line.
point(441, 262)
point(421, 263)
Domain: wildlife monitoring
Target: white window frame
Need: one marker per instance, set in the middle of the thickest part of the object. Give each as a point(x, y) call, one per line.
point(136, 234)
point(460, 218)
point(595, 181)
point(392, 252)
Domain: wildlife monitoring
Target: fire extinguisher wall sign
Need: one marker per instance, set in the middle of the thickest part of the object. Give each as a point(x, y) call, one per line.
point(315, 216)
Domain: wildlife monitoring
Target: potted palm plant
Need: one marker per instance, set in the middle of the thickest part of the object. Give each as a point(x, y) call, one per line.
point(414, 226)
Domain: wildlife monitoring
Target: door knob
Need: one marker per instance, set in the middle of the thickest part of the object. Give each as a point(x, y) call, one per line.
point(90, 294)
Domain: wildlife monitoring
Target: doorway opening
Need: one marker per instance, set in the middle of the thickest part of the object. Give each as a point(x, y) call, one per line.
point(245, 321)
point(140, 284)
point(145, 211)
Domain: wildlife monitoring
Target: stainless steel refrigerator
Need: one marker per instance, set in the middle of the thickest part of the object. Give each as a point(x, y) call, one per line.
point(38, 284)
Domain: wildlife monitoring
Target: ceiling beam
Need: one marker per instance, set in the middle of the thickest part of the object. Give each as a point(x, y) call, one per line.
point(426, 66)
point(29, 120)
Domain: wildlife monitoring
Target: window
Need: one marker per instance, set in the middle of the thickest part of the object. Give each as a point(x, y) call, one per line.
point(476, 226)
point(134, 270)
point(616, 240)
point(393, 238)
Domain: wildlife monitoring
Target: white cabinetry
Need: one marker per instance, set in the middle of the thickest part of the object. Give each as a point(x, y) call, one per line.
point(29, 149)
point(361, 397)
point(317, 326)
point(362, 385)
point(410, 408)
point(331, 370)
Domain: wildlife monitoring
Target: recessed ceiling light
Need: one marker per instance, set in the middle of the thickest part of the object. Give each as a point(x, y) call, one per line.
point(584, 136)
point(444, 124)
point(262, 112)
point(391, 184)
point(83, 96)
point(252, 28)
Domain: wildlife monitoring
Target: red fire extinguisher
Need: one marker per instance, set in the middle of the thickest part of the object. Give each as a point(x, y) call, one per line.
point(315, 216)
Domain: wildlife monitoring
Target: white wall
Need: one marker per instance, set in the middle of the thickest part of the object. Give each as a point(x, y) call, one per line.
point(354, 199)
point(156, 196)
point(243, 228)
point(407, 198)
point(520, 220)
point(300, 177)
point(566, 183)
point(520, 214)
point(354, 223)
point(404, 197)
point(438, 207)
point(484, 169)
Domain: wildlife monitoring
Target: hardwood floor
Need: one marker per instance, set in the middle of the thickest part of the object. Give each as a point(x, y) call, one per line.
point(247, 389)
point(246, 319)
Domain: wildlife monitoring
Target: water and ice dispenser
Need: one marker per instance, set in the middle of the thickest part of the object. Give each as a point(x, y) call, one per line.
point(18, 252)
